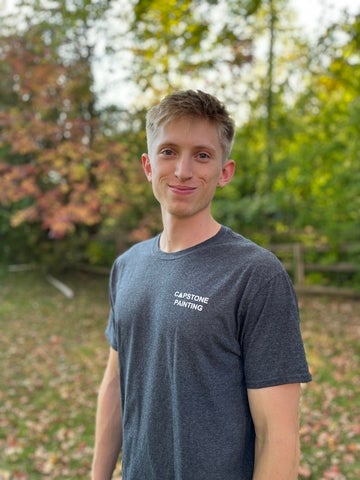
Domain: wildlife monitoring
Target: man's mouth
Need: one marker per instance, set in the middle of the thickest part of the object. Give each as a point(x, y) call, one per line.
point(182, 189)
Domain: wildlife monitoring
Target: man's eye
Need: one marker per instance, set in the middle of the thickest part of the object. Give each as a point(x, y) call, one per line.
point(166, 152)
point(203, 156)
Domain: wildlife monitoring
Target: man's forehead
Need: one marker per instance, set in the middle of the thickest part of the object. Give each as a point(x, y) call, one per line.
point(186, 126)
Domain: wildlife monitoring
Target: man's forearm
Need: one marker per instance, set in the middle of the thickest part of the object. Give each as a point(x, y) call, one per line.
point(277, 460)
point(275, 412)
point(108, 436)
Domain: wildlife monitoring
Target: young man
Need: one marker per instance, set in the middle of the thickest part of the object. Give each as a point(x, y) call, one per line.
point(203, 324)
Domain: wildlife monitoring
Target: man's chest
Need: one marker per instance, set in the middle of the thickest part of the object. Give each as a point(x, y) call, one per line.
point(194, 305)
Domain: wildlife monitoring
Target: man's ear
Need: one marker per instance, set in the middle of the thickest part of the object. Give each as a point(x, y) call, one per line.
point(145, 160)
point(227, 172)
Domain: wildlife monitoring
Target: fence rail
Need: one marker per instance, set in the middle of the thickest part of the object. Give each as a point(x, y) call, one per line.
point(293, 257)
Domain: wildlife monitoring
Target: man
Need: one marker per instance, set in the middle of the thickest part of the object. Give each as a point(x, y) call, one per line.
point(203, 324)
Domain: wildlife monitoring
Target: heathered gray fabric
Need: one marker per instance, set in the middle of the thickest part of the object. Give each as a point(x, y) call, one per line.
point(195, 329)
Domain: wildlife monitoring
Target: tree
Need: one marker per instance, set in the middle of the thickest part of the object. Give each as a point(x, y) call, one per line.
point(188, 44)
point(310, 187)
point(250, 205)
point(325, 172)
point(60, 173)
point(69, 165)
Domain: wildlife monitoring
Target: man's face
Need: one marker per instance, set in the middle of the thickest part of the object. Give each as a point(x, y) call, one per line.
point(185, 166)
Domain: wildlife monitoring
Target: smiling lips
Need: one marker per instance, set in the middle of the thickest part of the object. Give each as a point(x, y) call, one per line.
point(182, 189)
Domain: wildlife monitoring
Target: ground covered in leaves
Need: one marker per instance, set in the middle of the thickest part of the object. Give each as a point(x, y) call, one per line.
point(52, 356)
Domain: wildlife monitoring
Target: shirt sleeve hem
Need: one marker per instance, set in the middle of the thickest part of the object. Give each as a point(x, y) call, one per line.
point(111, 341)
point(273, 382)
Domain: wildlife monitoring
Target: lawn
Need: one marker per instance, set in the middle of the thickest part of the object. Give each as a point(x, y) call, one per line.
point(52, 356)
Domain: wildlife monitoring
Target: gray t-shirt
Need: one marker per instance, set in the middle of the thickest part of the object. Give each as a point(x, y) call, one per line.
point(194, 330)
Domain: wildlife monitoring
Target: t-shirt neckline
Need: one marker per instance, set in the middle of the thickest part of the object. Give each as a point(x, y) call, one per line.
point(173, 255)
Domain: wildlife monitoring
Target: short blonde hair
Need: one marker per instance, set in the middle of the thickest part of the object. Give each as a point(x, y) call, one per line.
point(194, 104)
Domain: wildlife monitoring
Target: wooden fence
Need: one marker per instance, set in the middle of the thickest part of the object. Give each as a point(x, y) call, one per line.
point(293, 256)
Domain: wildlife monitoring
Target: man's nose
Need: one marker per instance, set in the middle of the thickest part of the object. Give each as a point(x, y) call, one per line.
point(183, 169)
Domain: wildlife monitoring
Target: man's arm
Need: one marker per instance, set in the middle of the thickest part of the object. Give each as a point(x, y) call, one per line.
point(275, 413)
point(108, 435)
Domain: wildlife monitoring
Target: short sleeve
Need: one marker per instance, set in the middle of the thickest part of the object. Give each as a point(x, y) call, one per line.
point(110, 333)
point(272, 346)
point(111, 330)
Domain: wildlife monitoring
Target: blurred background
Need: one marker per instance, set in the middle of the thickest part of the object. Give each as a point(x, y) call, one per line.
point(76, 78)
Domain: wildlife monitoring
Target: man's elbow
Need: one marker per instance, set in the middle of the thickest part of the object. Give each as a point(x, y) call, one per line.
point(277, 457)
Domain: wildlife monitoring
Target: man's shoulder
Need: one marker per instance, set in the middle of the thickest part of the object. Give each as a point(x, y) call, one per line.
point(136, 251)
point(240, 249)
point(237, 241)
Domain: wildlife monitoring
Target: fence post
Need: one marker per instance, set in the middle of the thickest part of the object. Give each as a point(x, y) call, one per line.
point(299, 267)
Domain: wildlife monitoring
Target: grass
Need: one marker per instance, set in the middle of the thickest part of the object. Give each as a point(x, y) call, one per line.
point(330, 431)
point(52, 356)
point(52, 352)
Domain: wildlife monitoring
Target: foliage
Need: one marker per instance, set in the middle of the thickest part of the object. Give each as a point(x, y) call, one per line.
point(193, 44)
point(312, 182)
point(52, 363)
point(330, 138)
point(66, 175)
point(61, 175)
point(69, 164)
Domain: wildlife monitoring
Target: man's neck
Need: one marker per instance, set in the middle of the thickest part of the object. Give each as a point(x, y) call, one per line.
point(182, 233)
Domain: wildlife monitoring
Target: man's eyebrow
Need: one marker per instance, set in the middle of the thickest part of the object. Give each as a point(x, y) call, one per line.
point(171, 144)
point(205, 147)
point(167, 144)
